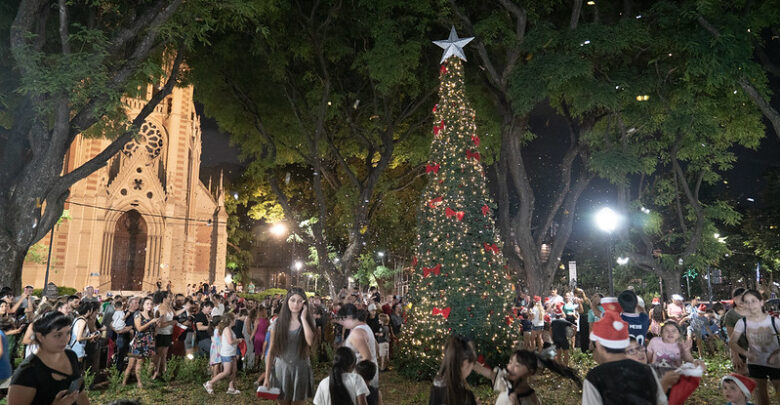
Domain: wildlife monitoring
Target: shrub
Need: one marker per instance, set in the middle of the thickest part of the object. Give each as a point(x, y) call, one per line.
point(61, 291)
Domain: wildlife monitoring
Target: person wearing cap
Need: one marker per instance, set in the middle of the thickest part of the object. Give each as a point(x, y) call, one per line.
point(618, 379)
point(737, 389)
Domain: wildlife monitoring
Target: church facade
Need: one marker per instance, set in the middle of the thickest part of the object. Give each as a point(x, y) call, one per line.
point(145, 217)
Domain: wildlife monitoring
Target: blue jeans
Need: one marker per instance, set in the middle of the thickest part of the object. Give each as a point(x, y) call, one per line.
point(122, 347)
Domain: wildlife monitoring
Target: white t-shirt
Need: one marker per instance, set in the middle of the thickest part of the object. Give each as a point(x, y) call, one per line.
point(225, 348)
point(763, 349)
point(167, 330)
point(538, 316)
point(218, 310)
point(354, 383)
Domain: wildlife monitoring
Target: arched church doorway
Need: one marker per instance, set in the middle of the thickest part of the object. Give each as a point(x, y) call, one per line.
point(129, 252)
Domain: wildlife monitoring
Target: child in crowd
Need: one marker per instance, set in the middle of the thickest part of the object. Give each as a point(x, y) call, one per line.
point(513, 382)
point(367, 369)
point(710, 332)
point(537, 319)
point(638, 321)
point(450, 386)
point(381, 340)
point(561, 331)
point(228, 353)
point(215, 360)
point(696, 327)
point(528, 327)
point(737, 389)
point(667, 352)
point(342, 386)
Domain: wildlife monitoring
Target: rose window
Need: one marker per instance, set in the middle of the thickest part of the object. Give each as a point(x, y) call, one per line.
point(149, 142)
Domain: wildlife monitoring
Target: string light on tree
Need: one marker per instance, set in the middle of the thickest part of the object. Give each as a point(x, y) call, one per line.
point(460, 283)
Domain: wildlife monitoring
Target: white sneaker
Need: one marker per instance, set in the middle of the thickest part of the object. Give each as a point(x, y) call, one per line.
point(207, 386)
point(233, 391)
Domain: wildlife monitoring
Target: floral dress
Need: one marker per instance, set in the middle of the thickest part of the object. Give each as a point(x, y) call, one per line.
point(143, 343)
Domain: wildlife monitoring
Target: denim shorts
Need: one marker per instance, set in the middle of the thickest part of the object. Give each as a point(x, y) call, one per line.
point(227, 359)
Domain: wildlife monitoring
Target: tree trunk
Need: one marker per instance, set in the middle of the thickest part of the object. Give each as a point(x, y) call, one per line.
point(671, 280)
point(538, 283)
point(11, 260)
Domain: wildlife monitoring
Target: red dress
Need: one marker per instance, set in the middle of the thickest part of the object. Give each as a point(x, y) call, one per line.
point(259, 338)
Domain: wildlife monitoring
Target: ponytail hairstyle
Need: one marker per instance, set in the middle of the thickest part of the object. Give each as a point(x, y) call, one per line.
point(343, 362)
point(457, 350)
point(225, 322)
point(534, 361)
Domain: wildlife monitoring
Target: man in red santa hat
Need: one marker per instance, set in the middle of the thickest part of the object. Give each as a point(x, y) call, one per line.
point(617, 379)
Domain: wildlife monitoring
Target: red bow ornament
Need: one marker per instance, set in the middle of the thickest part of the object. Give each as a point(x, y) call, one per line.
point(449, 212)
point(414, 261)
point(443, 69)
point(475, 139)
point(432, 168)
point(485, 210)
point(445, 312)
point(434, 202)
point(437, 128)
point(491, 248)
point(470, 154)
point(435, 106)
point(435, 270)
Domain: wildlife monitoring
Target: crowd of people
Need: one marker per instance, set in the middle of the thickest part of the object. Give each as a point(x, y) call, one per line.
point(650, 348)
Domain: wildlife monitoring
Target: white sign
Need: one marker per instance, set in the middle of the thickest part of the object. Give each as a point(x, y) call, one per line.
point(572, 272)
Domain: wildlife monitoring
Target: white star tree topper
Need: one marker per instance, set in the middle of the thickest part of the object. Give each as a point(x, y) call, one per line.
point(453, 46)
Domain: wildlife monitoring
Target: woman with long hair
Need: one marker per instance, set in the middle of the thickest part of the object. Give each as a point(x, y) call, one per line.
point(80, 333)
point(164, 337)
point(248, 334)
point(142, 345)
point(449, 385)
point(342, 386)
point(292, 335)
point(29, 336)
point(47, 376)
point(763, 353)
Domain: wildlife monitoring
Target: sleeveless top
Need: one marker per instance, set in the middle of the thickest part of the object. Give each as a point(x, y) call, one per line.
point(371, 347)
point(77, 346)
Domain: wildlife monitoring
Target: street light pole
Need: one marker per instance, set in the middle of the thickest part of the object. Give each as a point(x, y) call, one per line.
point(608, 220)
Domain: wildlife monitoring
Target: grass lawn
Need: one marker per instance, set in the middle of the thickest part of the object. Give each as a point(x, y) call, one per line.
point(186, 387)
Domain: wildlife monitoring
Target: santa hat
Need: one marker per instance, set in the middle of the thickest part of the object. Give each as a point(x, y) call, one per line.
point(546, 299)
point(611, 304)
point(610, 331)
point(745, 384)
point(702, 308)
point(537, 298)
point(656, 301)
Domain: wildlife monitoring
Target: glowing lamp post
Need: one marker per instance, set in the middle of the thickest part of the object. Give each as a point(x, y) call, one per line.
point(608, 221)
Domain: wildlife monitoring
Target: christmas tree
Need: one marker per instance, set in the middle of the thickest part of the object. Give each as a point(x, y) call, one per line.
point(460, 284)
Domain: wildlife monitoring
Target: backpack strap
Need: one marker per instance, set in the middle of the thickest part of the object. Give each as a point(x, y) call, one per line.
point(744, 319)
point(775, 328)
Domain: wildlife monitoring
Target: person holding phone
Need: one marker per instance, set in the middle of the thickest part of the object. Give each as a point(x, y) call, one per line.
point(292, 336)
point(142, 346)
point(52, 375)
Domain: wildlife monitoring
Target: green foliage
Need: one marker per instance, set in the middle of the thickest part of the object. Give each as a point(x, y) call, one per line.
point(172, 368)
point(194, 370)
point(89, 378)
point(61, 291)
point(115, 377)
point(369, 272)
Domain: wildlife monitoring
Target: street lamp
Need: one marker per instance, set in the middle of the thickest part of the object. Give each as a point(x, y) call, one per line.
point(381, 257)
point(622, 261)
point(608, 221)
point(279, 229)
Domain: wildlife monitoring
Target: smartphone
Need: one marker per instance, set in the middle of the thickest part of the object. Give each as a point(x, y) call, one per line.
point(75, 385)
